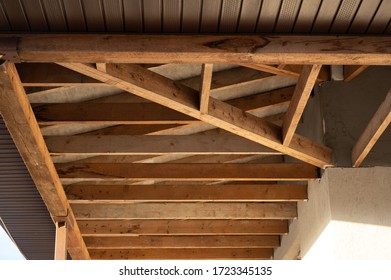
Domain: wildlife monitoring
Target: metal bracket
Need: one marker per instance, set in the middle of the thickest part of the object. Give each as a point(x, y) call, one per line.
point(8, 49)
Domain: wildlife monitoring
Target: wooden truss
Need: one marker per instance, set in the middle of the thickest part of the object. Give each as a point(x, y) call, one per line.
point(172, 168)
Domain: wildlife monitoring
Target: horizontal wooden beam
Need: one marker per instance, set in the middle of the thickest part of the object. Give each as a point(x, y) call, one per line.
point(183, 254)
point(186, 172)
point(182, 227)
point(114, 194)
point(23, 127)
point(377, 125)
point(345, 50)
point(210, 241)
point(108, 114)
point(52, 75)
point(183, 99)
point(220, 210)
point(154, 145)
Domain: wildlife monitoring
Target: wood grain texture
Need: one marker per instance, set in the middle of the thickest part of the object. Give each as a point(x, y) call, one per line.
point(183, 254)
point(206, 80)
point(355, 50)
point(179, 211)
point(186, 172)
point(223, 115)
point(210, 241)
point(175, 193)
point(182, 227)
point(153, 145)
point(23, 127)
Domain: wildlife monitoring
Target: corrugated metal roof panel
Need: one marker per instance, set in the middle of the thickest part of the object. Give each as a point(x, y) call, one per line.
point(21, 206)
point(196, 16)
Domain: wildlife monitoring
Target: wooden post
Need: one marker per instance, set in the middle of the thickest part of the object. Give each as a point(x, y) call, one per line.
point(60, 250)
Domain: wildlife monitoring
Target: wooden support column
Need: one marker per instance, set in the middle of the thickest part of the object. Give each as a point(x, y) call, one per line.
point(60, 250)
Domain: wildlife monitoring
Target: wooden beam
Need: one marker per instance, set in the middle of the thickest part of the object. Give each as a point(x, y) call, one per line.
point(231, 49)
point(186, 172)
point(206, 78)
point(272, 69)
point(23, 127)
point(352, 71)
point(178, 97)
point(210, 210)
point(101, 67)
point(299, 100)
point(183, 254)
point(108, 114)
point(208, 241)
point(377, 125)
point(154, 145)
point(182, 227)
point(176, 193)
point(52, 75)
point(60, 248)
point(130, 129)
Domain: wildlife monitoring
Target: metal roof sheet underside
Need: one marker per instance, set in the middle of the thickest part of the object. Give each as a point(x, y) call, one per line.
point(197, 16)
point(21, 207)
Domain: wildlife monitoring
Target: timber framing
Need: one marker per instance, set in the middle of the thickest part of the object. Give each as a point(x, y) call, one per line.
point(347, 50)
point(136, 160)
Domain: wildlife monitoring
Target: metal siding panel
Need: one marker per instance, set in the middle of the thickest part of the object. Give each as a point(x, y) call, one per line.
point(35, 15)
point(75, 16)
point(113, 15)
point(172, 11)
point(16, 16)
point(191, 16)
point(93, 12)
point(326, 15)
point(381, 19)
point(306, 16)
point(210, 16)
point(55, 15)
point(249, 15)
point(288, 14)
point(133, 15)
point(152, 16)
point(230, 15)
point(4, 24)
point(21, 206)
point(365, 13)
point(269, 15)
point(345, 16)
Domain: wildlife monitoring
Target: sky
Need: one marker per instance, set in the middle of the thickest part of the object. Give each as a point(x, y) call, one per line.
point(8, 250)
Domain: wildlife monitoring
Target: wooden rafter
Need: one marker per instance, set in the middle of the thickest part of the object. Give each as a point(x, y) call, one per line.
point(184, 253)
point(183, 210)
point(113, 194)
point(183, 99)
point(211, 241)
point(345, 50)
point(182, 227)
point(377, 125)
point(70, 172)
point(23, 127)
point(299, 100)
point(154, 144)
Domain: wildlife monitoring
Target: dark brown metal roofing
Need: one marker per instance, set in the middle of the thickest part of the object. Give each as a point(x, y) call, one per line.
point(197, 16)
point(21, 206)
